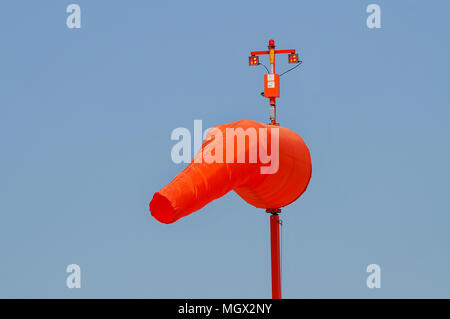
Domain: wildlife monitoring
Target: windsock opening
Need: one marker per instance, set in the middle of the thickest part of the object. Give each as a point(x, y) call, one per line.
point(162, 209)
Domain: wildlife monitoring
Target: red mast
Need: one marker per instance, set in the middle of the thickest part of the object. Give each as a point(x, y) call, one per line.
point(275, 252)
point(272, 92)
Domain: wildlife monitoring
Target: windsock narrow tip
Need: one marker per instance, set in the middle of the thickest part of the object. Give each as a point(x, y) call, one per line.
point(161, 209)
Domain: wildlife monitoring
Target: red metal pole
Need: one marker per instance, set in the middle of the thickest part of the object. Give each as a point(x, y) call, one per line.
point(273, 115)
point(275, 252)
point(274, 218)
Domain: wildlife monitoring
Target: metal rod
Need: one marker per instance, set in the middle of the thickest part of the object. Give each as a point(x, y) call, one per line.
point(273, 108)
point(275, 253)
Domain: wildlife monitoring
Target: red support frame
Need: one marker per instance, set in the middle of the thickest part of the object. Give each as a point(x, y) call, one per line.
point(272, 53)
point(276, 52)
point(275, 249)
point(259, 52)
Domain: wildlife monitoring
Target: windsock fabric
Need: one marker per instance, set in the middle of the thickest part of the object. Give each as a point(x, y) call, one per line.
point(268, 166)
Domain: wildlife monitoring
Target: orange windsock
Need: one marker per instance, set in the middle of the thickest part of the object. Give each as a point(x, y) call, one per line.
point(267, 165)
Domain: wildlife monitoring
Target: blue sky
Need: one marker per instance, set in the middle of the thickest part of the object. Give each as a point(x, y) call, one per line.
point(85, 122)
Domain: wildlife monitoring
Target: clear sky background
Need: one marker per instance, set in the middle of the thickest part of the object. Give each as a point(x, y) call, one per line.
point(85, 123)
